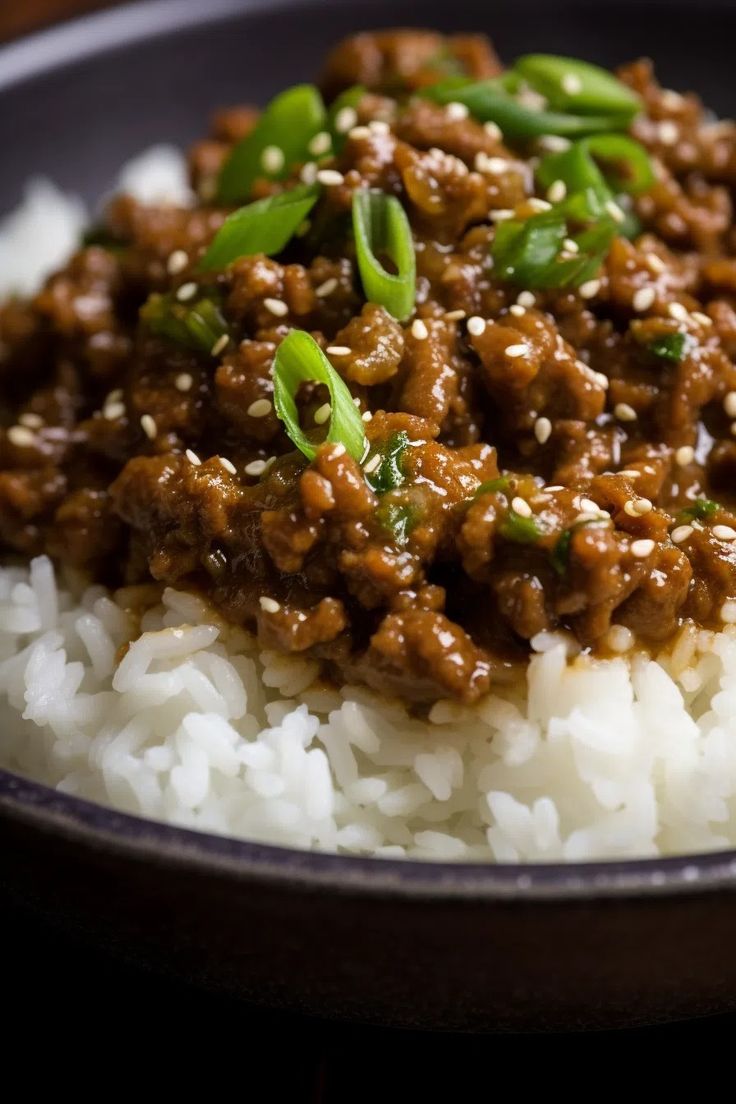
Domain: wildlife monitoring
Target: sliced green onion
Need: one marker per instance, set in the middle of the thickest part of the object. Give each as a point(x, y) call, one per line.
point(398, 520)
point(262, 227)
point(284, 132)
point(197, 325)
point(381, 228)
point(299, 359)
point(671, 346)
point(569, 84)
point(527, 252)
point(350, 98)
point(503, 483)
point(700, 509)
point(560, 554)
point(390, 473)
point(520, 530)
point(604, 162)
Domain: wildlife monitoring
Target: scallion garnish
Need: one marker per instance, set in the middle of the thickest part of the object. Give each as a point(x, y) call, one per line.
point(569, 84)
point(390, 473)
point(530, 252)
point(382, 229)
point(701, 508)
point(520, 530)
point(671, 346)
point(560, 554)
point(262, 227)
point(299, 359)
point(503, 483)
point(397, 519)
point(606, 163)
point(279, 140)
point(197, 325)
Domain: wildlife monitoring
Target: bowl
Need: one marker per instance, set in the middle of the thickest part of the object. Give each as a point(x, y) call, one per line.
point(465, 947)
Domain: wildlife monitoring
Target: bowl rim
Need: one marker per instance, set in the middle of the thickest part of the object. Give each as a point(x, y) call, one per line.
point(48, 811)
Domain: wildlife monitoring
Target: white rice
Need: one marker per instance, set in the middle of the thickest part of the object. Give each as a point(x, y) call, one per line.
point(198, 726)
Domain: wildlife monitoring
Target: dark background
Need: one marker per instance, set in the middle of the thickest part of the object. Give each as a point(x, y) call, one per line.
point(73, 1010)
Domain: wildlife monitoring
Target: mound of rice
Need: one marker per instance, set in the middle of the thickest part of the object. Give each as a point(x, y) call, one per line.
point(198, 726)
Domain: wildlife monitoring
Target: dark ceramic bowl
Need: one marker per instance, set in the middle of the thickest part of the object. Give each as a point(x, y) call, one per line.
point(465, 947)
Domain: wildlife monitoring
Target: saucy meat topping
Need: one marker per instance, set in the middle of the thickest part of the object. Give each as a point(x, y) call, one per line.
point(524, 415)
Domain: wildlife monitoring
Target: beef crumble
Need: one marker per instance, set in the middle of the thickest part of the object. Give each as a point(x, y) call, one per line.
point(555, 470)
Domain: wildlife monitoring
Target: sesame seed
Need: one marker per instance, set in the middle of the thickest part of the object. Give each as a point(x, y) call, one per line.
point(554, 143)
point(33, 421)
point(540, 205)
point(419, 330)
point(678, 312)
point(476, 325)
point(220, 345)
point(669, 132)
point(326, 288)
point(624, 412)
point(269, 605)
point(21, 436)
point(276, 306)
point(655, 263)
point(519, 350)
point(521, 507)
point(601, 379)
point(456, 111)
point(187, 291)
point(259, 408)
point(642, 548)
point(322, 415)
point(589, 505)
point(192, 457)
point(670, 99)
point(493, 165)
point(359, 132)
point(615, 211)
point(571, 84)
point(338, 450)
point(557, 191)
point(345, 119)
point(684, 456)
point(643, 298)
point(681, 533)
point(373, 464)
point(493, 130)
point(113, 410)
point(320, 144)
point(517, 311)
point(339, 350)
point(619, 638)
point(228, 465)
point(570, 246)
point(272, 159)
point(729, 404)
point(637, 507)
point(177, 262)
point(367, 416)
point(589, 289)
point(501, 214)
point(379, 126)
point(542, 430)
point(525, 299)
point(703, 319)
point(256, 467)
point(630, 473)
point(728, 611)
point(454, 315)
point(724, 532)
point(148, 425)
point(330, 177)
point(356, 402)
point(183, 382)
point(308, 172)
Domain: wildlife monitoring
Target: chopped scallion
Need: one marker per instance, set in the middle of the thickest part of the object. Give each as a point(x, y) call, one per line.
point(390, 473)
point(261, 227)
point(197, 325)
point(382, 229)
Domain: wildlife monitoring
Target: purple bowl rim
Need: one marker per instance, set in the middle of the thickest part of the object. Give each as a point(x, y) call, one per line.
point(98, 827)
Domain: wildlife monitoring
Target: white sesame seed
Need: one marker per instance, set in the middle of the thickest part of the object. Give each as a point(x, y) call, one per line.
point(589, 289)
point(602, 380)
point(476, 325)
point(345, 119)
point(703, 319)
point(557, 191)
point(259, 408)
point(337, 450)
point(359, 132)
point(220, 345)
point(615, 211)
point(540, 205)
point(519, 350)
point(637, 507)
point(525, 299)
point(724, 532)
point(192, 457)
point(493, 165)
point(517, 311)
point(589, 505)
point(521, 507)
point(571, 84)
point(456, 111)
point(642, 548)
point(272, 159)
point(570, 246)
point(373, 464)
point(276, 306)
point(542, 430)
point(320, 144)
point(113, 410)
point(678, 312)
point(643, 298)
point(619, 638)
point(684, 456)
point(322, 414)
point(728, 611)
point(379, 126)
point(330, 177)
point(268, 605)
point(367, 416)
point(655, 263)
point(669, 132)
point(256, 467)
point(554, 143)
point(326, 288)
point(501, 214)
point(187, 291)
point(339, 350)
point(681, 533)
point(228, 465)
point(419, 330)
point(21, 436)
point(148, 425)
point(308, 172)
point(356, 402)
point(183, 382)
point(624, 412)
point(493, 130)
point(177, 262)
point(630, 473)
point(729, 404)
point(454, 315)
point(31, 420)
